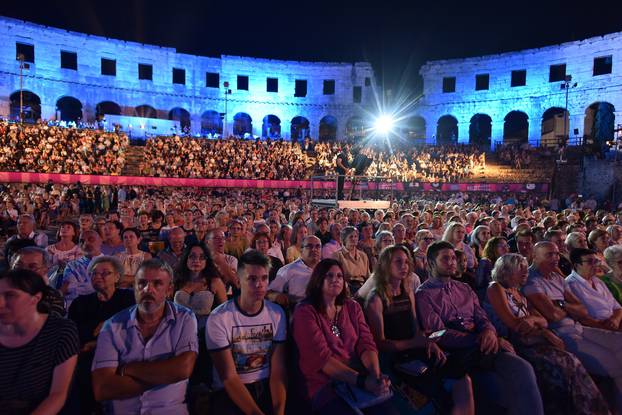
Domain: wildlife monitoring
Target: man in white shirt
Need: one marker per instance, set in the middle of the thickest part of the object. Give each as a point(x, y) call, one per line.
point(601, 306)
point(246, 339)
point(291, 281)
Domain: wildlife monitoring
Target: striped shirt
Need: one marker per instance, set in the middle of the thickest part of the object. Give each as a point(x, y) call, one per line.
point(27, 370)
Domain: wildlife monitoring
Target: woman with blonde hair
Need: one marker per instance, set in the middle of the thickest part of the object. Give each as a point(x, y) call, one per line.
point(298, 235)
point(392, 316)
point(454, 234)
point(563, 381)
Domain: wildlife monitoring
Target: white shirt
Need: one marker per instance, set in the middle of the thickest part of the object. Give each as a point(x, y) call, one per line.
point(250, 338)
point(292, 279)
point(599, 301)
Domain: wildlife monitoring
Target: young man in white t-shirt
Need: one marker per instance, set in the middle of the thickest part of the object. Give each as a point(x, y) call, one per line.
point(246, 339)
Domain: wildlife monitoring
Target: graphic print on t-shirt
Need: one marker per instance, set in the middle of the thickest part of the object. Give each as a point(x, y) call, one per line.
point(251, 346)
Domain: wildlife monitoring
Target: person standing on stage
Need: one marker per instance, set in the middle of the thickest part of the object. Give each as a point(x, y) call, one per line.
point(342, 167)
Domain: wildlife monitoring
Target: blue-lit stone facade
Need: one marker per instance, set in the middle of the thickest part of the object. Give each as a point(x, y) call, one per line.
point(492, 86)
point(198, 99)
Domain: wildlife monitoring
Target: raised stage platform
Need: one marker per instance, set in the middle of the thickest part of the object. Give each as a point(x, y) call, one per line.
point(352, 204)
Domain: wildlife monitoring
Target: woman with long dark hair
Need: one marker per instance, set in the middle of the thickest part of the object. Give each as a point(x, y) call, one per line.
point(335, 344)
point(197, 283)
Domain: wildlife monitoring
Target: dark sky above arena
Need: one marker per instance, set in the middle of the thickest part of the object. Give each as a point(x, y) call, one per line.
point(397, 37)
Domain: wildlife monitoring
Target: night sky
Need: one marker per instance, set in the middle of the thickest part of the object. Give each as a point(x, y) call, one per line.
point(396, 37)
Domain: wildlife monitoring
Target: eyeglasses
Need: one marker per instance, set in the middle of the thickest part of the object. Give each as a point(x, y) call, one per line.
point(103, 274)
point(313, 246)
point(592, 261)
point(428, 239)
point(197, 257)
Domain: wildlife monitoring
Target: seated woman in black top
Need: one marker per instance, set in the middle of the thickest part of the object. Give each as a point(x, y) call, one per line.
point(89, 312)
point(38, 351)
point(390, 310)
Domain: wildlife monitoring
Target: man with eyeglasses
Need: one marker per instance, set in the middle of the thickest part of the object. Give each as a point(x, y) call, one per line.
point(602, 308)
point(548, 292)
point(290, 284)
point(37, 259)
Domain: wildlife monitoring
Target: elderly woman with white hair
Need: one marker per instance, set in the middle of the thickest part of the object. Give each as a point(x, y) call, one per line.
point(90, 311)
point(613, 279)
point(565, 385)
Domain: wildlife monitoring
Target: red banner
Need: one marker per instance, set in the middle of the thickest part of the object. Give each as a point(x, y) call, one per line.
point(16, 177)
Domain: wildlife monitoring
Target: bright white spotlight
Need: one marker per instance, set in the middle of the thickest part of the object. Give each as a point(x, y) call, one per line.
point(384, 124)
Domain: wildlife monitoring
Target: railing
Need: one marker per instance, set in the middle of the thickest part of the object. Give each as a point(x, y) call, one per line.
point(357, 182)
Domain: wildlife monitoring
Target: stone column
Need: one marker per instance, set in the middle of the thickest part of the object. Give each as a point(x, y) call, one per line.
point(286, 129)
point(195, 124)
point(535, 130)
point(463, 132)
point(496, 136)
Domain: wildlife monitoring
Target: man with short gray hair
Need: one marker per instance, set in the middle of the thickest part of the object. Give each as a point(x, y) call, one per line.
point(26, 230)
point(38, 260)
point(146, 353)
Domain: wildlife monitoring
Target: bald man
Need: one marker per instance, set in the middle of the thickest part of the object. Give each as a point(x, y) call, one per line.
point(291, 281)
point(599, 350)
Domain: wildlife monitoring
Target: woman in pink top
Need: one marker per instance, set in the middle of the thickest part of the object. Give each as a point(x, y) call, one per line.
point(335, 344)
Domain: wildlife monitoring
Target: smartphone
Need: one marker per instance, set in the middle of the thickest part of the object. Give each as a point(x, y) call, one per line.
point(437, 334)
point(413, 368)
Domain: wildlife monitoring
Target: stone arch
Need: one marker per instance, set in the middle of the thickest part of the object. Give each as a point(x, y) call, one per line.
point(299, 129)
point(242, 124)
point(181, 115)
point(516, 128)
point(447, 130)
point(555, 126)
point(480, 130)
point(328, 128)
point(146, 111)
point(415, 127)
point(211, 123)
point(69, 109)
point(356, 127)
point(107, 107)
point(599, 123)
point(271, 126)
point(31, 106)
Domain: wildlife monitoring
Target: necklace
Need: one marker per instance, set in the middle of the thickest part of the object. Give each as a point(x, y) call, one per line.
point(334, 328)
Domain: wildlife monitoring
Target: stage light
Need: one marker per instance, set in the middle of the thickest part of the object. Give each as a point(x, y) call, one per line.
point(384, 124)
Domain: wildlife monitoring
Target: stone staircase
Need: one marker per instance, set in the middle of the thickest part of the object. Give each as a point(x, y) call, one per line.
point(134, 155)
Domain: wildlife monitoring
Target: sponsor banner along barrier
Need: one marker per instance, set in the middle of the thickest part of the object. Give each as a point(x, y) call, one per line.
point(17, 177)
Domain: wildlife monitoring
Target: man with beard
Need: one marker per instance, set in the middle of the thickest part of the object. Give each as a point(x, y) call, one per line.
point(446, 304)
point(146, 353)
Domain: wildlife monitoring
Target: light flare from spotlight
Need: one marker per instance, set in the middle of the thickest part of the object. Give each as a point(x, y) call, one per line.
point(384, 124)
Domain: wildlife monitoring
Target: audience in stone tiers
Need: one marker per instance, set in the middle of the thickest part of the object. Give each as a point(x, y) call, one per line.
point(50, 149)
point(230, 316)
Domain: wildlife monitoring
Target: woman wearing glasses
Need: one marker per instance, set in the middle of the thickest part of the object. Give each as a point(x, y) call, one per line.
point(565, 386)
point(89, 312)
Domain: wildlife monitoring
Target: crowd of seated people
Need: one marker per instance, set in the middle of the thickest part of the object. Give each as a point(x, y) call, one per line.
point(254, 159)
point(231, 158)
point(255, 302)
point(52, 147)
point(43, 148)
